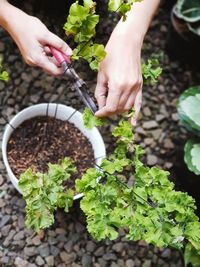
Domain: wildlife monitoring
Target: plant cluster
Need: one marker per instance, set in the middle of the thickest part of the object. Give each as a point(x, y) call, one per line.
point(150, 209)
point(189, 12)
point(189, 114)
point(81, 25)
point(45, 192)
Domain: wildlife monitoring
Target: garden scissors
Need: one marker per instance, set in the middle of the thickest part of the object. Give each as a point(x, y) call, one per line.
point(81, 86)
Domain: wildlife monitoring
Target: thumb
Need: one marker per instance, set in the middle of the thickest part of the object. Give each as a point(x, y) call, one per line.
point(55, 41)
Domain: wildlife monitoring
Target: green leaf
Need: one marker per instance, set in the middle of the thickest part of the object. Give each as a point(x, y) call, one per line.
point(114, 5)
point(151, 71)
point(191, 256)
point(191, 156)
point(189, 10)
point(88, 180)
point(124, 131)
point(45, 192)
point(30, 183)
point(90, 120)
point(114, 166)
point(121, 6)
point(3, 74)
point(189, 108)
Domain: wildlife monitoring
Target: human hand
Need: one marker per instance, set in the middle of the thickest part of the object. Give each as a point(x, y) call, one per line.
point(33, 38)
point(119, 81)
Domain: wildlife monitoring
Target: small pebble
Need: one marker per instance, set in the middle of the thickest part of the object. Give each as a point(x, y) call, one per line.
point(150, 124)
point(19, 262)
point(151, 160)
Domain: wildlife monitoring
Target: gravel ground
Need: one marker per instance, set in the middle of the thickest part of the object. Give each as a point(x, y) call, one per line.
point(67, 242)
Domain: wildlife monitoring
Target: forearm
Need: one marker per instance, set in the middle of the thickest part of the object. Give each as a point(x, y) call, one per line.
point(138, 20)
point(5, 9)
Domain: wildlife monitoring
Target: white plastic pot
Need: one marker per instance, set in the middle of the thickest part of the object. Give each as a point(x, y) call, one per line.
point(61, 112)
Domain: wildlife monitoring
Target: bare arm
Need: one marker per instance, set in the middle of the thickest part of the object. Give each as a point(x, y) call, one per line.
point(119, 79)
point(32, 37)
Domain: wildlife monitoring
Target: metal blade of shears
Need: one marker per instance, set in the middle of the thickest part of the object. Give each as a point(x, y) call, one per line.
point(80, 85)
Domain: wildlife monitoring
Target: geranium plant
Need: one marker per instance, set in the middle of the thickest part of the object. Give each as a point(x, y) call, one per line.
point(150, 209)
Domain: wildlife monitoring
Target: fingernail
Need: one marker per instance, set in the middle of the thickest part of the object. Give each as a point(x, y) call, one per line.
point(134, 122)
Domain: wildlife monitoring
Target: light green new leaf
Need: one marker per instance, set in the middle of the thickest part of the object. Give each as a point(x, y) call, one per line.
point(90, 120)
point(151, 71)
point(114, 5)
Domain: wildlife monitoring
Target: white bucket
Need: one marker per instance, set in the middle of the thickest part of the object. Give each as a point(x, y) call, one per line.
point(61, 112)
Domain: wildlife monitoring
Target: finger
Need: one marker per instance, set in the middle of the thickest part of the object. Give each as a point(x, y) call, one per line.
point(101, 91)
point(128, 90)
point(112, 102)
point(137, 107)
point(55, 41)
point(47, 50)
point(100, 95)
point(123, 100)
point(49, 67)
point(54, 61)
point(130, 103)
point(131, 99)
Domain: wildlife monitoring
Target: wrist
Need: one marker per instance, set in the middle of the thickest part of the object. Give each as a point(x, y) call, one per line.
point(8, 15)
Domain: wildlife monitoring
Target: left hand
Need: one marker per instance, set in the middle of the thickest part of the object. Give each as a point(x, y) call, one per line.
point(119, 81)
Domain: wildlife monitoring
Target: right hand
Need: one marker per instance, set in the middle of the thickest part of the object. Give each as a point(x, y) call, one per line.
point(33, 38)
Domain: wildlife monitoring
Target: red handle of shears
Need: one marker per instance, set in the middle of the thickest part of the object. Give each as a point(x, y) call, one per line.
point(59, 56)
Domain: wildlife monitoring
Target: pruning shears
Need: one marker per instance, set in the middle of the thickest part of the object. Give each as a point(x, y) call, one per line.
point(81, 87)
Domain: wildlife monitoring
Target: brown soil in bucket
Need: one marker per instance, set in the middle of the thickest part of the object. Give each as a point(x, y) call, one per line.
point(41, 140)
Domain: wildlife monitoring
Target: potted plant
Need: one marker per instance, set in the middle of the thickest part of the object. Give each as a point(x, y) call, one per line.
point(147, 207)
point(184, 39)
point(33, 135)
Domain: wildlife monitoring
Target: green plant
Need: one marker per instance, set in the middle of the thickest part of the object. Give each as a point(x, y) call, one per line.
point(151, 71)
point(90, 120)
point(44, 193)
point(189, 113)
point(150, 209)
point(189, 11)
point(3, 73)
point(121, 6)
point(81, 25)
